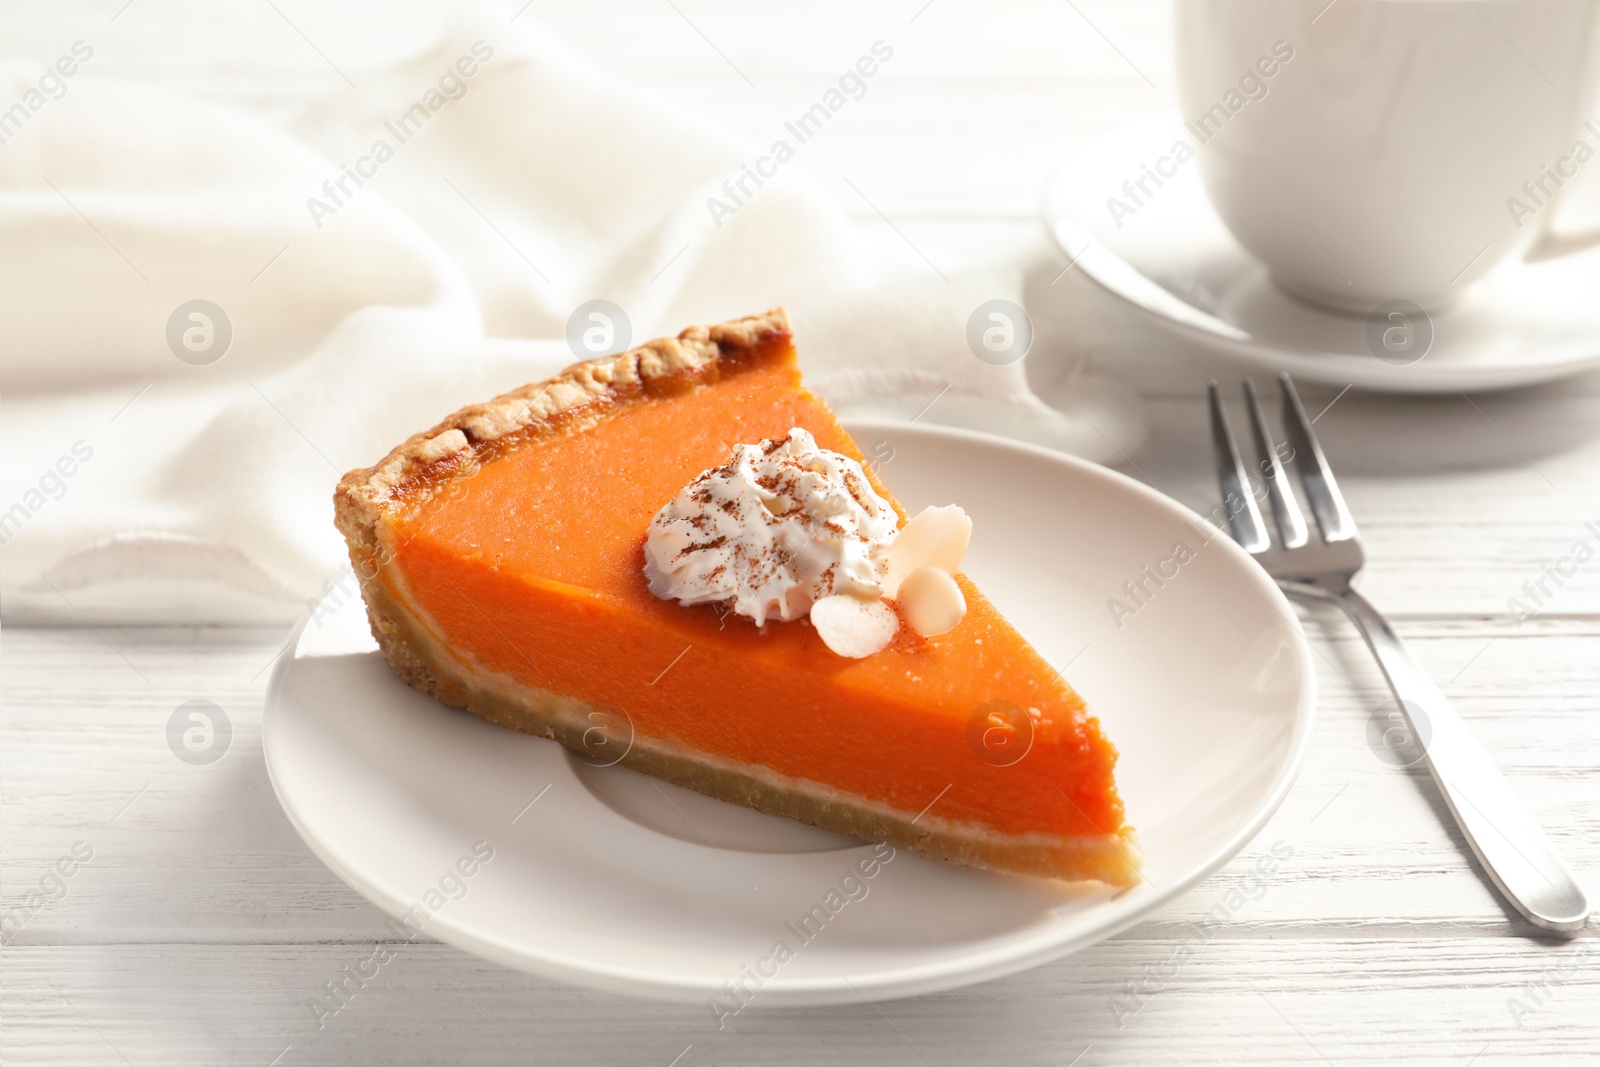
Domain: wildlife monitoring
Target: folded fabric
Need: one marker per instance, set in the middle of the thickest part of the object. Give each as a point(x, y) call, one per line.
point(209, 318)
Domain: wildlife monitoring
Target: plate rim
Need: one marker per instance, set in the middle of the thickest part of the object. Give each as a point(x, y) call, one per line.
point(1219, 336)
point(888, 984)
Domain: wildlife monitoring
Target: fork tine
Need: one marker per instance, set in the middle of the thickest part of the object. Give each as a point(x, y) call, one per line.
point(1322, 492)
point(1285, 509)
point(1244, 518)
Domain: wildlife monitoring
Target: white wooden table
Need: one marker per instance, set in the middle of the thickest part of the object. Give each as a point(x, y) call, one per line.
point(201, 924)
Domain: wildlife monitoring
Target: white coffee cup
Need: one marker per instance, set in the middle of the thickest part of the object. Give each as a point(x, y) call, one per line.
point(1371, 151)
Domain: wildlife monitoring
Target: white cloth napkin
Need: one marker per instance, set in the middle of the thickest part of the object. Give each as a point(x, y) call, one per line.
point(515, 184)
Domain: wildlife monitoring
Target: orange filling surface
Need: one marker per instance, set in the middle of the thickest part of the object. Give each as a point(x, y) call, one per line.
point(535, 568)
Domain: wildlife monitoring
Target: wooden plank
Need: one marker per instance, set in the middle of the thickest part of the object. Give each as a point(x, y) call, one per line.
point(1360, 1001)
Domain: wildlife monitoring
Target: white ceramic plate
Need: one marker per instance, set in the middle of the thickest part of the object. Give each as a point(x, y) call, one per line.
point(1174, 260)
point(615, 881)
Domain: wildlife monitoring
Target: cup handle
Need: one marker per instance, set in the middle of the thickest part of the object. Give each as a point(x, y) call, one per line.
point(1556, 242)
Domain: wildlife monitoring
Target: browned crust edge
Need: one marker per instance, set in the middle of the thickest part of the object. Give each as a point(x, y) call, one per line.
point(451, 449)
point(433, 459)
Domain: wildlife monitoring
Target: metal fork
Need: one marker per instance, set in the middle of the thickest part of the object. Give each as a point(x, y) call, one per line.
point(1508, 841)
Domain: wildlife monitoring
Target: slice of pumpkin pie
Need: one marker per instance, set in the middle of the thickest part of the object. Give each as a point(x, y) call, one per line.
point(674, 558)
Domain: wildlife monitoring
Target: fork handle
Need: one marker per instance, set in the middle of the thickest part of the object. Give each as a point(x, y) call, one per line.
point(1508, 841)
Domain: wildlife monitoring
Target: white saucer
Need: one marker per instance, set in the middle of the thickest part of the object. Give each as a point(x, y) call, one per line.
point(1174, 259)
point(1208, 692)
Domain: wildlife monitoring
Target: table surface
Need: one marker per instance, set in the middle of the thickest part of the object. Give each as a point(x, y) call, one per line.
point(202, 924)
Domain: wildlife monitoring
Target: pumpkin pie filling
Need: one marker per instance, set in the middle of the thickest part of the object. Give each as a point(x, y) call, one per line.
point(502, 553)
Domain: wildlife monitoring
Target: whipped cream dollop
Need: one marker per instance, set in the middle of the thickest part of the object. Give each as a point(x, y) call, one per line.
point(782, 525)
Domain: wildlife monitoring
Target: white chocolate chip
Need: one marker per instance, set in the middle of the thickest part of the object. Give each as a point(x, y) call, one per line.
point(935, 538)
point(932, 601)
point(852, 626)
